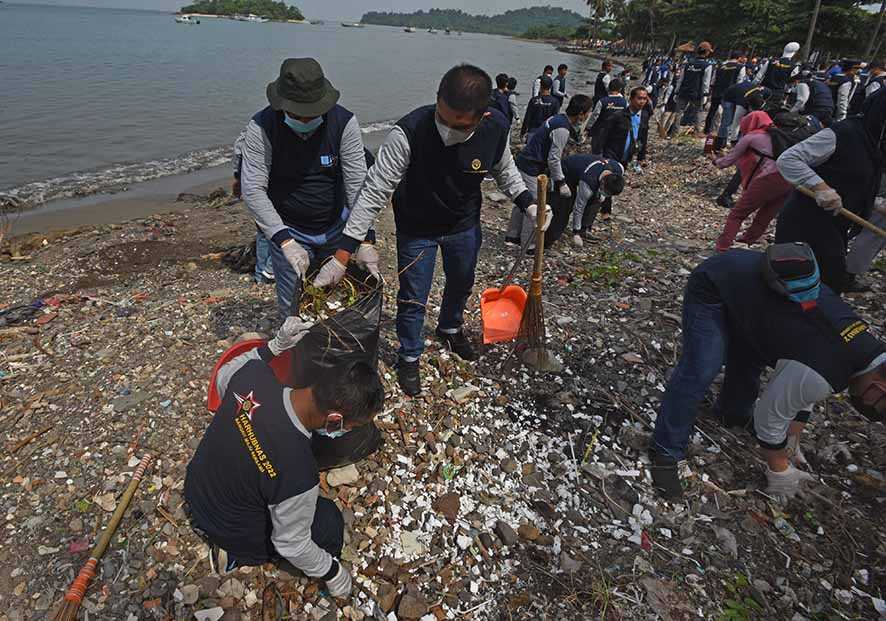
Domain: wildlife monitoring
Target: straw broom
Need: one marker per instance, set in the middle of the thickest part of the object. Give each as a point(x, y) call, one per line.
point(532, 324)
point(77, 590)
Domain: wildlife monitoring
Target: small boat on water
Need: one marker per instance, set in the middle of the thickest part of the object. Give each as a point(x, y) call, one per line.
point(431, 31)
point(256, 19)
point(186, 19)
point(352, 25)
point(447, 31)
point(318, 22)
point(409, 29)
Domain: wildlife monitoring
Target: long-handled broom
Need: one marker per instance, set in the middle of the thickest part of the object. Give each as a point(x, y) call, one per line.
point(75, 594)
point(532, 325)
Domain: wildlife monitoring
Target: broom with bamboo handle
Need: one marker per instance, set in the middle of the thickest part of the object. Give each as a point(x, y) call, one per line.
point(533, 321)
point(77, 590)
point(848, 214)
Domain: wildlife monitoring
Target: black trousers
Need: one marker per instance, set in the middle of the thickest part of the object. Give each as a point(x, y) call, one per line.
point(712, 113)
point(733, 185)
point(828, 236)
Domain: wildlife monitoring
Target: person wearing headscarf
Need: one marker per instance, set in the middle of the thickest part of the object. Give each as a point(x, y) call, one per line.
point(841, 164)
point(764, 189)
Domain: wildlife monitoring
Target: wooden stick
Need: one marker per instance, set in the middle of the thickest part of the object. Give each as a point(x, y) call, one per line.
point(541, 214)
point(873, 228)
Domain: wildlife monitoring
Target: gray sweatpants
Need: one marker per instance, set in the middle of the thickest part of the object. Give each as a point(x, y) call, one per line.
point(866, 246)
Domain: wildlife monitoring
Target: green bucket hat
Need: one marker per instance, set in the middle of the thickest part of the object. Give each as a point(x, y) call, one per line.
point(302, 89)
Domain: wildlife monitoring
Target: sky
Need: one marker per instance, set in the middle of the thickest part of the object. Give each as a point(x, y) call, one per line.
point(326, 9)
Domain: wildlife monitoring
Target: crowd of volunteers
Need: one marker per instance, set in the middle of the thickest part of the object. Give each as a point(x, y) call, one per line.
point(807, 142)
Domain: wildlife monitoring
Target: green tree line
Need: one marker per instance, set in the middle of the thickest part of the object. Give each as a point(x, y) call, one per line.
point(516, 22)
point(264, 8)
point(843, 26)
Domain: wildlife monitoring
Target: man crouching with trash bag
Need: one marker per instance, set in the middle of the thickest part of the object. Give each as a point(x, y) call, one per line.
point(751, 310)
point(433, 164)
point(252, 485)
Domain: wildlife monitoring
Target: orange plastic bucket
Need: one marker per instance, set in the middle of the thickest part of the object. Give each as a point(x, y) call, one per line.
point(502, 311)
point(280, 366)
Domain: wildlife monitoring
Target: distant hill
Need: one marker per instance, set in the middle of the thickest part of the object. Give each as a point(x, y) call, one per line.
point(515, 22)
point(264, 8)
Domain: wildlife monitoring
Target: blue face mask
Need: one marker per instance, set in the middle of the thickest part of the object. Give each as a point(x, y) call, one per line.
point(331, 434)
point(302, 127)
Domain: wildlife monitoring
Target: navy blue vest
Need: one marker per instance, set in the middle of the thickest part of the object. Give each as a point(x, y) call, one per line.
point(533, 159)
point(250, 457)
point(440, 193)
point(500, 102)
point(727, 75)
point(559, 84)
point(821, 102)
point(693, 79)
point(600, 89)
point(778, 74)
point(611, 104)
point(835, 342)
point(539, 110)
point(305, 183)
point(588, 168)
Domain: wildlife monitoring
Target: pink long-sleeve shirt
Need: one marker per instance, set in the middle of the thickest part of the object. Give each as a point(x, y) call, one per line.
point(742, 155)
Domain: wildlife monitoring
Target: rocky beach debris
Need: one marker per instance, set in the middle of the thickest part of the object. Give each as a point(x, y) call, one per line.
point(501, 493)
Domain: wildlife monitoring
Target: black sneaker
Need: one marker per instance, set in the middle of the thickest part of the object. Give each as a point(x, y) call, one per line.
point(512, 240)
point(459, 344)
point(408, 377)
point(725, 201)
point(854, 285)
point(665, 478)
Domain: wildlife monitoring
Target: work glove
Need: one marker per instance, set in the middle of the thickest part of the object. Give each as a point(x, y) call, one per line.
point(289, 334)
point(367, 258)
point(297, 256)
point(880, 205)
point(829, 200)
point(340, 584)
point(330, 274)
point(635, 167)
point(565, 192)
point(795, 451)
point(532, 214)
point(786, 484)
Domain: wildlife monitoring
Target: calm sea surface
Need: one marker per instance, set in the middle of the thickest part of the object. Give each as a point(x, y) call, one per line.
point(94, 99)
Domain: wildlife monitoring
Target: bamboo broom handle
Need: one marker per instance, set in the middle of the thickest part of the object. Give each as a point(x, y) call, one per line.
point(848, 214)
point(541, 209)
point(87, 573)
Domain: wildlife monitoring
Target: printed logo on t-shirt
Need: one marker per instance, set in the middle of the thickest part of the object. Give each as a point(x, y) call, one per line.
point(327, 160)
point(243, 420)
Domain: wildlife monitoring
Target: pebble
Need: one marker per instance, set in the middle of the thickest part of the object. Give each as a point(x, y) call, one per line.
point(342, 476)
point(504, 532)
point(209, 614)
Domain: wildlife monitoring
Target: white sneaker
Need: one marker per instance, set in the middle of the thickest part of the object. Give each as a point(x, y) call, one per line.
point(577, 241)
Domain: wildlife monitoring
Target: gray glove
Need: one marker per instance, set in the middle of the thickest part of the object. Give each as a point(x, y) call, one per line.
point(297, 256)
point(340, 584)
point(330, 274)
point(532, 214)
point(565, 192)
point(367, 258)
point(786, 484)
point(289, 334)
point(829, 200)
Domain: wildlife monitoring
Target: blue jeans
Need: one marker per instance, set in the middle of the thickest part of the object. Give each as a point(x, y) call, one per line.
point(726, 120)
point(289, 284)
point(706, 346)
point(416, 259)
point(264, 266)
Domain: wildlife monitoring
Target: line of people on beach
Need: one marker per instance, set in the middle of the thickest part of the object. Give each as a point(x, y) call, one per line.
point(252, 487)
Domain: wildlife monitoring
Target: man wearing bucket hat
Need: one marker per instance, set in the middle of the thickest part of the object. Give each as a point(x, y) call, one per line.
point(752, 310)
point(303, 166)
point(433, 164)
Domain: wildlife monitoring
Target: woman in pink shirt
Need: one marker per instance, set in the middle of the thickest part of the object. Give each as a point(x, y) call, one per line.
point(764, 189)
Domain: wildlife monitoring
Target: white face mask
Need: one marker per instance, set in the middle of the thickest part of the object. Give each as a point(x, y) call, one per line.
point(451, 136)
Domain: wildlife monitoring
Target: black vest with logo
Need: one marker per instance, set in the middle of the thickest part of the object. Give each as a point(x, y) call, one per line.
point(778, 74)
point(533, 159)
point(693, 79)
point(251, 456)
point(600, 87)
point(727, 75)
point(833, 341)
point(305, 182)
point(440, 192)
point(500, 102)
point(820, 103)
point(609, 105)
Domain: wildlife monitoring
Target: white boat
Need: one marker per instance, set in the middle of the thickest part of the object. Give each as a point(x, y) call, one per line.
point(431, 31)
point(409, 29)
point(255, 19)
point(186, 19)
point(352, 24)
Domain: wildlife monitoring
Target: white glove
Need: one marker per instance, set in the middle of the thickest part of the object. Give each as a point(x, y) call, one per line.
point(289, 334)
point(367, 258)
point(880, 205)
point(565, 192)
point(786, 484)
point(532, 214)
point(330, 274)
point(829, 200)
point(795, 451)
point(635, 166)
point(297, 256)
point(340, 584)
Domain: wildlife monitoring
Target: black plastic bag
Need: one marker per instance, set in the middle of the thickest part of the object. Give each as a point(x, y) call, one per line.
point(350, 335)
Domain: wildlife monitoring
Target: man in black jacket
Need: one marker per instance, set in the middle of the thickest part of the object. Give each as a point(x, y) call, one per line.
point(625, 134)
